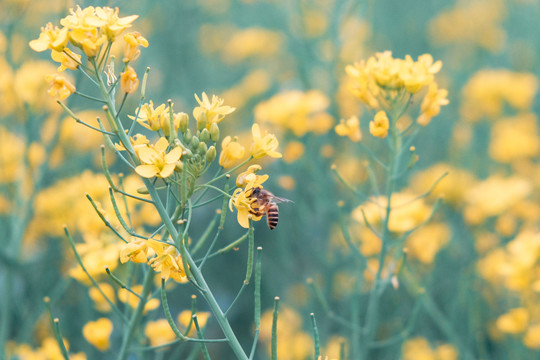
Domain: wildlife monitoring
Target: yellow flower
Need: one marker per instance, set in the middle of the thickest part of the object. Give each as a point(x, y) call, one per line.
point(169, 264)
point(159, 332)
point(210, 112)
point(138, 141)
point(513, 322)
point(231, 152)
point(156, 162)
point(51, 38)
point(89, 41)
point(113, 24)
point(138, 250)
point(60, 86)
point(82, 19)
point(149, 117)
point(67, 59)
point(379, 125)
point(98, 333)
point(431, 104)
point(133, 41)
point(350, 128)
point(128, 80)
point(246, 176)
point(244, 201)
point(263, 146)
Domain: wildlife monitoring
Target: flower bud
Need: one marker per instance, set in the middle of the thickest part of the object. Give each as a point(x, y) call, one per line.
point(201, 121)
point(187, 137)
point(210, 154)
point(179, 166)
point(204, 135)
point(187, 154)
point(194, 142)
point(142, 190)
point(184, 121)
point(214, 132)
point(202, 148)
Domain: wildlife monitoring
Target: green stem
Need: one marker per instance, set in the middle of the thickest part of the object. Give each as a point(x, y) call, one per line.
point(378, 286)
point(136, 316)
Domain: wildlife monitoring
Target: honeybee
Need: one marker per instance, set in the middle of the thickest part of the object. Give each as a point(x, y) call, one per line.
point(267, 204)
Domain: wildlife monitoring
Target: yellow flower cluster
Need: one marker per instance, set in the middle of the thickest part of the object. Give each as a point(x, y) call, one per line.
point(469, 23)
point(488, 91)
point(164, 258)
point(294, 343)
point(159, 332)
point(91, 30)
point(296, 111)
point(515, 267)
point(419, 348)
point(48, 349)
point(386, 84)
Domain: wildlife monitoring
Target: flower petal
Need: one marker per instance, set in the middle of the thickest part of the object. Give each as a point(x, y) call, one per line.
point(161, 145)
point(167, 170)
point(147, 171)
point(173, 155)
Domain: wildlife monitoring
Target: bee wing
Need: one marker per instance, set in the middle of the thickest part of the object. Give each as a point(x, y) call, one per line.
point(277, 199)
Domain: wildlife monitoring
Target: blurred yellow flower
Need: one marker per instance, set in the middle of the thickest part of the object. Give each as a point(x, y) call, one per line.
point(98, 333)
point(133, 41)
point(263, 146)
point(297, 111)
point(532, 337)
point(231, 152)
point(156, 161)
point(419, 348)
point(350, 128)
point(51, 37)
point(294, 343)
point(249, 43)
point(132, 300)
point(99, 301)
point(515, 138)
point(468, 23)
point(159, 332)
point(185, 316)
point(513, 322)
point(208, 112)
point(425, 243)
point(96, 254)
point(128, 80)
point(407, 211)
point(293, 151)
point(481, 203)
point(487, 91)
point(60, 87)
point(380, 125)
